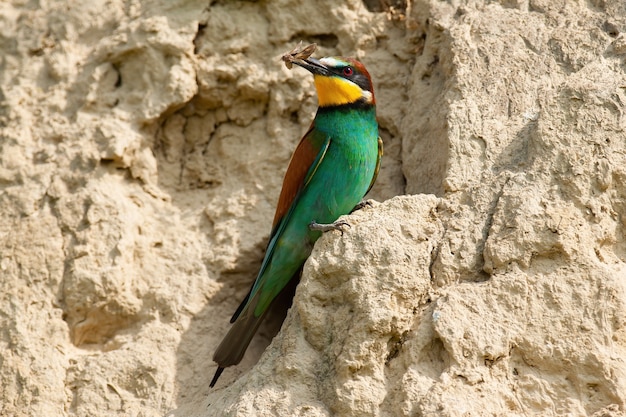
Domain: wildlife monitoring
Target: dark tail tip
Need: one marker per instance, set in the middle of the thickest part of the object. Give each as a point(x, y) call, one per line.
point(216, 376)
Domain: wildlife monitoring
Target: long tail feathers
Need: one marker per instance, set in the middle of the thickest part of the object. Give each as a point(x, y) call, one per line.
point(216, 376)
point(234, 345)
point(241, 306)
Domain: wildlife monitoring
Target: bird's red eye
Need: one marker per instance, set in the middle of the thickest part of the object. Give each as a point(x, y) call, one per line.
point(348, 71)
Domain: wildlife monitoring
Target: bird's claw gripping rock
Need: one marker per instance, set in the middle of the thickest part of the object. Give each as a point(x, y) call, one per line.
point(338, 225)
point(297, 53)
point(362, 204)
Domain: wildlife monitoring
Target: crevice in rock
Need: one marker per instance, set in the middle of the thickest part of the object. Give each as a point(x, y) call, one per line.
point(488, 223)
point(326, 40)
point(434, 253)
point(394, 346)
point(116, 68)
point(199, 34)
point(391, 6)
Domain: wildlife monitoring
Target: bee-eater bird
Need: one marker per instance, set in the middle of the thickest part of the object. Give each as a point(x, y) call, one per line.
point(331, 170)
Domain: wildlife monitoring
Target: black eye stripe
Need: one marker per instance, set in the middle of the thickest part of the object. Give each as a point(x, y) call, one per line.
point(339, 70)
point(362, 81)
point(356, 77)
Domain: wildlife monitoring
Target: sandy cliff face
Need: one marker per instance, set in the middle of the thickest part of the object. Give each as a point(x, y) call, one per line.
point(142, 148)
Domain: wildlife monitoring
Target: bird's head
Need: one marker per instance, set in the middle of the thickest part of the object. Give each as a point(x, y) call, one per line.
point(340, 81)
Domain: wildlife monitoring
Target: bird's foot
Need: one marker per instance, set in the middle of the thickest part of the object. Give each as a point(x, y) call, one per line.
point(363, 203)
point(338, 225)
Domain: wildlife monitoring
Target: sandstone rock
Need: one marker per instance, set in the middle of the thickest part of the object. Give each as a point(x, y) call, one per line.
point(142, 148)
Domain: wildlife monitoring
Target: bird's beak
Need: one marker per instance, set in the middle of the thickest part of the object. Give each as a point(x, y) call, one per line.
point(313, 65)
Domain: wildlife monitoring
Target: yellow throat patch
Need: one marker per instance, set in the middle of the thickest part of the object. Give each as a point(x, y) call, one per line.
point(335, 91)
